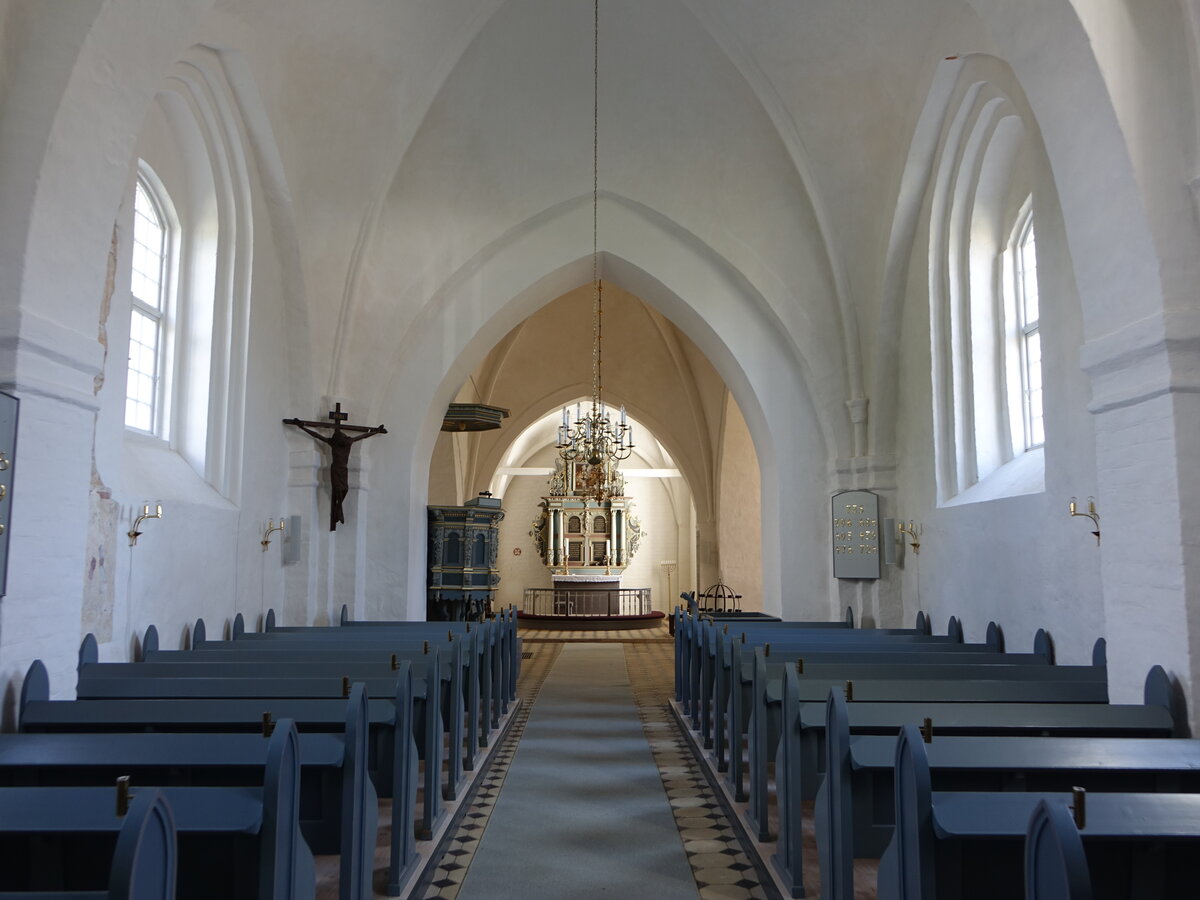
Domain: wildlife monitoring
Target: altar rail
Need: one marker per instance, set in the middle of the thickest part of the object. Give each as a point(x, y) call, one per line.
point(560, 602)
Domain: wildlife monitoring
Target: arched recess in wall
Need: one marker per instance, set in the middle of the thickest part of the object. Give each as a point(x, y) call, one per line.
point(975, 161)
point(672, 272)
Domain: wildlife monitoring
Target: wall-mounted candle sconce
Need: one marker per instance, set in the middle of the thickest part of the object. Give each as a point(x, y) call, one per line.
point(271, 528)
point(133, 533)
point(914, 534)
point(1091, 514)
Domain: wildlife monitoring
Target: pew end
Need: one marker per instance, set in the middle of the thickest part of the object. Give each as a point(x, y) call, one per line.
point(344, 617)
point(269, 621)
point(1055, 864)
point(145, 860)
point(1161, 690)
point(199, 634)
point(89, 651)
point(849, 616)
point(150, 641)
point(360, 804)
point(404, 858)
point(286, 864)
point(923, 623)
point(1100, 653)
point(1043, 645)
point(906, 869)
point(239, 626)
point(35, 687)
point(995, 637)
point(954, 629)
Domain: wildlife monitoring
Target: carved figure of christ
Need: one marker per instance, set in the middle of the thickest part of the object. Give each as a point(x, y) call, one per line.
point(340, 440)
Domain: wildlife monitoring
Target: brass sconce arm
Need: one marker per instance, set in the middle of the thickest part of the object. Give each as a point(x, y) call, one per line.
point(133, 534)
point(271, 528)
point(1090, 514)
point(913, 531)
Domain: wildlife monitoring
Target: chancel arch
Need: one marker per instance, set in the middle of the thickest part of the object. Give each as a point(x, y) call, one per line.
point(719, 312)
point(661, 501)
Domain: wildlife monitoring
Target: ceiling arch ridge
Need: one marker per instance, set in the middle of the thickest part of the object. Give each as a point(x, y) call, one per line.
point(369, 223)
point(556, 228)
point(670, 339)
point(785, 125)
point(499, 357)
point(425, 311)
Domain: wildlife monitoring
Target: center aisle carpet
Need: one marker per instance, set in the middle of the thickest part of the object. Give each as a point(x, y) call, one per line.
point(583, 812)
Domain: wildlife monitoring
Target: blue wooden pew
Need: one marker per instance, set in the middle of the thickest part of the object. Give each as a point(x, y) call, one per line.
point(754, 709)
point(328, 716)
point(505, 639)
point(374, 666)
point(753, 695)
point(962, 684)
point(459, 651)
point(489, 662)
point(738, 686)
point(135, 854)
point(459, 693)
point(714, 654)
point(956, 844)
point(689, 629)
point(854, 815)
point(503, 644)
point(438, 702)
point(239, 839)
point(334, 766)
point(693, 641)
point(798, 760)
point(400, 692)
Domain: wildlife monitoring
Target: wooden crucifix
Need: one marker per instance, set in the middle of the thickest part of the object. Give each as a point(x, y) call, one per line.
point(339, 442)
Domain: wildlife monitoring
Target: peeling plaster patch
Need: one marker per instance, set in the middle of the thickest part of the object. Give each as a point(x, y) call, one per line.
point(110, 277)
point(99, 583)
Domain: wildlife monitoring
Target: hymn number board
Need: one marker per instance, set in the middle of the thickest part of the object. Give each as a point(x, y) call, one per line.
point(855, 535)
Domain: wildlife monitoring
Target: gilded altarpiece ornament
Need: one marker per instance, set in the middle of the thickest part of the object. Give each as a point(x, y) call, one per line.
point(586, 525)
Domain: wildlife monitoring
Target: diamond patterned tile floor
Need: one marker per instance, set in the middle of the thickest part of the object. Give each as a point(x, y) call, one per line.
point(719, 853)
point(463, 837)
point(720, 863)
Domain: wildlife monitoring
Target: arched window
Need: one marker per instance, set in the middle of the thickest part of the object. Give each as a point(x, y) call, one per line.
point(1027, 334)
point(153, 270)
point(985, 341)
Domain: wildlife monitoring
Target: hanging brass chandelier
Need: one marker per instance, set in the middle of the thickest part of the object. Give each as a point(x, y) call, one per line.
point(593, 438)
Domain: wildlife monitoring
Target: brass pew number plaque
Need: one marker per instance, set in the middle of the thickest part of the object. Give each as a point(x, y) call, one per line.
point(855, 535)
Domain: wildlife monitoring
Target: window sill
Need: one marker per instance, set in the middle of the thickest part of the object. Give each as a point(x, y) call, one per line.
point(1025, 474)
point(154, 469)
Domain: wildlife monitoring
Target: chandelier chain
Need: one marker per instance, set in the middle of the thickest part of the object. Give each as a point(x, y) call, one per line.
point(595, 439)
point(596, 297)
